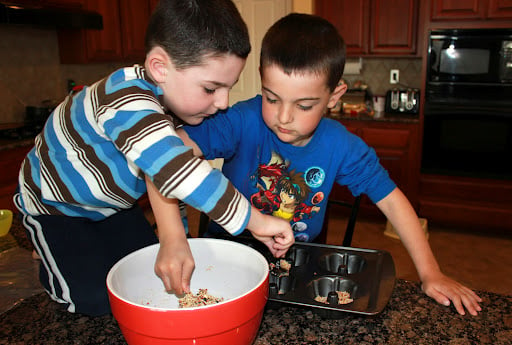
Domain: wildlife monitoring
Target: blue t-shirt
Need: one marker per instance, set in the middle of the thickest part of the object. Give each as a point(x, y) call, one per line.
point(291, 182)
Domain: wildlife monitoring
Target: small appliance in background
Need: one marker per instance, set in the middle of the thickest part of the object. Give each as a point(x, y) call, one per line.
point(379, 104)
point(406, 101)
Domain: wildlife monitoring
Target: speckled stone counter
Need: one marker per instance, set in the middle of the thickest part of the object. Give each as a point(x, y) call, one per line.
point(410, 318)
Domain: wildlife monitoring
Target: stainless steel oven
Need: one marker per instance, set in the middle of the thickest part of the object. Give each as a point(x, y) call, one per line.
point(468, 104)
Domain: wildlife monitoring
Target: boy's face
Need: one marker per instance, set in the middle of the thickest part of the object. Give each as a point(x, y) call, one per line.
point(197, 92)
point(293, 105)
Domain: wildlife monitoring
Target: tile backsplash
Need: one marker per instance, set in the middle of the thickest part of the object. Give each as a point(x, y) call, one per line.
point(375, 73)
point(30, 71)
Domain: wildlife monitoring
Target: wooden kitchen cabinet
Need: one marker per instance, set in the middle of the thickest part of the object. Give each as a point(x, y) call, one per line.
point(66, 3)
point(53, 3)
point(464, 202)
point(10, 167)
point(122, 37)
point(397, 145)
point(455, 10)
point(374, 27)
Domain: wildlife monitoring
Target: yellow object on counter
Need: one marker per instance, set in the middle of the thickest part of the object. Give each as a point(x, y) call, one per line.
point(391, 232)
point(5, 221)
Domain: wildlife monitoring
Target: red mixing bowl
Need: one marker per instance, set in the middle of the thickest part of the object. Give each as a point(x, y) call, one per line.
point(147, 314)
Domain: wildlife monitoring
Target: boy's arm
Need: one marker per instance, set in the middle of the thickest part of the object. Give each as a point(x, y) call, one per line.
point(189, 142)
point(174, 262)
point(274, 232)
point(400, 213)
point(264, 228)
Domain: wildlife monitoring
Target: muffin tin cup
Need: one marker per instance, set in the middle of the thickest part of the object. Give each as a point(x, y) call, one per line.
point(311, 275)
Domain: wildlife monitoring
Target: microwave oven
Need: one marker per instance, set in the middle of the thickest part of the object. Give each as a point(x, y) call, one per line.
point(482, 56)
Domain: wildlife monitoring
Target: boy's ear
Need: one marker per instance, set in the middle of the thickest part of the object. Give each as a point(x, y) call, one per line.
point(157, 64)
point(340, 89)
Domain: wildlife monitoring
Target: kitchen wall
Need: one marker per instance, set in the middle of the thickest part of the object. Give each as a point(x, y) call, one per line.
point(30, 71)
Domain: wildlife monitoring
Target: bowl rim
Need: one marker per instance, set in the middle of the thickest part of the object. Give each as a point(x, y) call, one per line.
point(257, 254)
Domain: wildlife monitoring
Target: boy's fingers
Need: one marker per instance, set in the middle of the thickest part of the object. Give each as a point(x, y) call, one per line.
point(188, 268)
point(167, 283)
point(176, 282)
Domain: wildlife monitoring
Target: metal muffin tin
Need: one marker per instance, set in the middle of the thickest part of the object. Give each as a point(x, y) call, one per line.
point(321, 270)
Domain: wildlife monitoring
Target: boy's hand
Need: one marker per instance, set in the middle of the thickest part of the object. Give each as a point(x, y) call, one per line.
point(175, 264)
point(444, 289)
point(274, 232)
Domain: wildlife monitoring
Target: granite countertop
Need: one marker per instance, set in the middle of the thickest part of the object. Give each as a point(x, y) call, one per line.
point(10, 136)
point(409, 318)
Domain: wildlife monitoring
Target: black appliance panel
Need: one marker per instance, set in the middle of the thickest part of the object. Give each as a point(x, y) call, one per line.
point(465, 142)
point(468, 104)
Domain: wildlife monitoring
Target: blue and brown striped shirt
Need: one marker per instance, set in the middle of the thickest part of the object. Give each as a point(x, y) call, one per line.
point(97, 145)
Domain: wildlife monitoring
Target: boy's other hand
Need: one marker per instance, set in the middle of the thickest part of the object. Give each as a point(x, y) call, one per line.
point(445, 290)
point(274, 232)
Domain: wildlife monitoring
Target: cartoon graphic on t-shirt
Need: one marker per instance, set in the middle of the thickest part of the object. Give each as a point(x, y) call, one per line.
point(284, 193)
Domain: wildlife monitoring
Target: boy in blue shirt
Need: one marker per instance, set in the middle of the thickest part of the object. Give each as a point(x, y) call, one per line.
point(283, 155)
point(103, 147)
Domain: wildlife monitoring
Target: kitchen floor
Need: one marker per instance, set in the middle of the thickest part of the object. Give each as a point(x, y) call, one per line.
point(482, 261)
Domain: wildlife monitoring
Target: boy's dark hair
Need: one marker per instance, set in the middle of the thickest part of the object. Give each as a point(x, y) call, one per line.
point(305, 43)
point(189, 30)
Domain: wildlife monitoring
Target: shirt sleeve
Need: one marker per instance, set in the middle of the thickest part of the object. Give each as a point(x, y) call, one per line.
point(361, 170)
point(149, 141)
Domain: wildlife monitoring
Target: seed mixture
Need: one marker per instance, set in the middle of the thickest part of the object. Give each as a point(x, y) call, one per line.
point(281, 268)
point(285, 265)
point(343, 298)
point(200, 299)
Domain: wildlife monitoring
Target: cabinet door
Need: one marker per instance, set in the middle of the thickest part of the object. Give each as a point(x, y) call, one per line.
point(394, 26)
point(391, 145)
point(53, 3)
point(122, 37)
point(500, 9)
point(104, 45)
point(458, 9)
point(10, 166)
point(134, 21)
point(152, 4)
point(66, 3)
point(351, 19)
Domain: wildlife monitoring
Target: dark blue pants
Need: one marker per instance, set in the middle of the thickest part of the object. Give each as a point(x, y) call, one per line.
point(77, 254)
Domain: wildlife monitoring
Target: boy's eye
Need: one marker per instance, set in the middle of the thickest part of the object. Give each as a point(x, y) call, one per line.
point(209, 91)
point(270, 100)
point(305, 107)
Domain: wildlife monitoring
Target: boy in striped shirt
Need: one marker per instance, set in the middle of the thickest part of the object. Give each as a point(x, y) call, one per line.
point(105, 146)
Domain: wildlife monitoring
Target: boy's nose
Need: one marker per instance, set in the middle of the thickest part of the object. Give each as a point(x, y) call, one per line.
point(221, 100)
point(285, 114)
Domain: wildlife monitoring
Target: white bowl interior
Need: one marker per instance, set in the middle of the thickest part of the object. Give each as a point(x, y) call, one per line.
point(227, 269)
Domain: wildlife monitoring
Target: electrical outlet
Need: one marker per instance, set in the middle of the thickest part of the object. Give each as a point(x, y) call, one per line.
point(394, 76)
